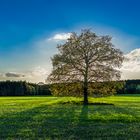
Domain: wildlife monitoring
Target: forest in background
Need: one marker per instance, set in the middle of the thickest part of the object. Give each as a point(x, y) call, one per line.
point(22, 88)
point(97, 89)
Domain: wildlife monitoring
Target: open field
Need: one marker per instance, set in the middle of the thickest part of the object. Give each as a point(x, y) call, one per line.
point(54, 118)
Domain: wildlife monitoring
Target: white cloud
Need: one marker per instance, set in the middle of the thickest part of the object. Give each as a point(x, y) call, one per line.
point(131, 65)
point(36, 74)
point(1, 75)
point(39, 71)
point(60, 37)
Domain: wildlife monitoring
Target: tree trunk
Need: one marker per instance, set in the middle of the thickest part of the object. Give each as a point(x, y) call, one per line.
point(85, 96)
point(86, 82)
point(85, 93)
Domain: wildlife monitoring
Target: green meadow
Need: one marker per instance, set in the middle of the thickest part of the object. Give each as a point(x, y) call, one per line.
point(65, 118)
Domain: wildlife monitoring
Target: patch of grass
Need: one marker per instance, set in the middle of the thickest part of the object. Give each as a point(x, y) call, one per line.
point(116, 117)
point(74, 102)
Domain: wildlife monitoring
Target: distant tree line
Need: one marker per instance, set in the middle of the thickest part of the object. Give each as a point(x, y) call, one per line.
point(96, 89)
point(131, 87)
point(22, 88)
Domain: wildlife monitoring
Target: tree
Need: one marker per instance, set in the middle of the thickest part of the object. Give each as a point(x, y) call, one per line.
point(86, 58)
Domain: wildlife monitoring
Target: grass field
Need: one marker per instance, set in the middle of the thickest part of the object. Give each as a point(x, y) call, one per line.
point(54, 118)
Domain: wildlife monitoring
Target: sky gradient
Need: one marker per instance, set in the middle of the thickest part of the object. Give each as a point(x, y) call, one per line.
point(31, 29)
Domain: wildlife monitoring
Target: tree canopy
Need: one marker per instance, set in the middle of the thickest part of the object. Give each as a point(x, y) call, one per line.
point(85, 58)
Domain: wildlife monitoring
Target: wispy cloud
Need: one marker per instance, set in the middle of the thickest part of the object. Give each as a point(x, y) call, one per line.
point(60, 37)
point(39, 71)
point(36, 74)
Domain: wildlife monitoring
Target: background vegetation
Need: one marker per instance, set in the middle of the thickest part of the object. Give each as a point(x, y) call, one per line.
point(20, 88)
point(97, 89)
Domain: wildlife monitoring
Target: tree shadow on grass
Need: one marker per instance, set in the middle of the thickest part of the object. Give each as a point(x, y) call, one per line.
point(40, 122)
point(102, 128)
point(68, 122)
point(82, 127)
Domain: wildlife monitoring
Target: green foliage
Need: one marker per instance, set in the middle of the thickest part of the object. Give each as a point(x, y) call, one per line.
point(49, 118)
point(96, 89)
point(66, 89)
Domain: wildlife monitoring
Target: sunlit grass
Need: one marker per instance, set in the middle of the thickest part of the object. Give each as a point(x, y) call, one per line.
point(64, 118)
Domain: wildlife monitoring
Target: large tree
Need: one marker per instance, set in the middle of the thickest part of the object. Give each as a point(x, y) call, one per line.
point(86, 57)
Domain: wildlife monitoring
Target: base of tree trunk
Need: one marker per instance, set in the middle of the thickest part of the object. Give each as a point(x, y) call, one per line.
point(85, 102)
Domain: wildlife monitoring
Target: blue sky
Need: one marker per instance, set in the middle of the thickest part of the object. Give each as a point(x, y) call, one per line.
point(26, 27)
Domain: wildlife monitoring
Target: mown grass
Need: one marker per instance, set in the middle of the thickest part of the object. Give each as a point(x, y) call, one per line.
point(64, 118)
